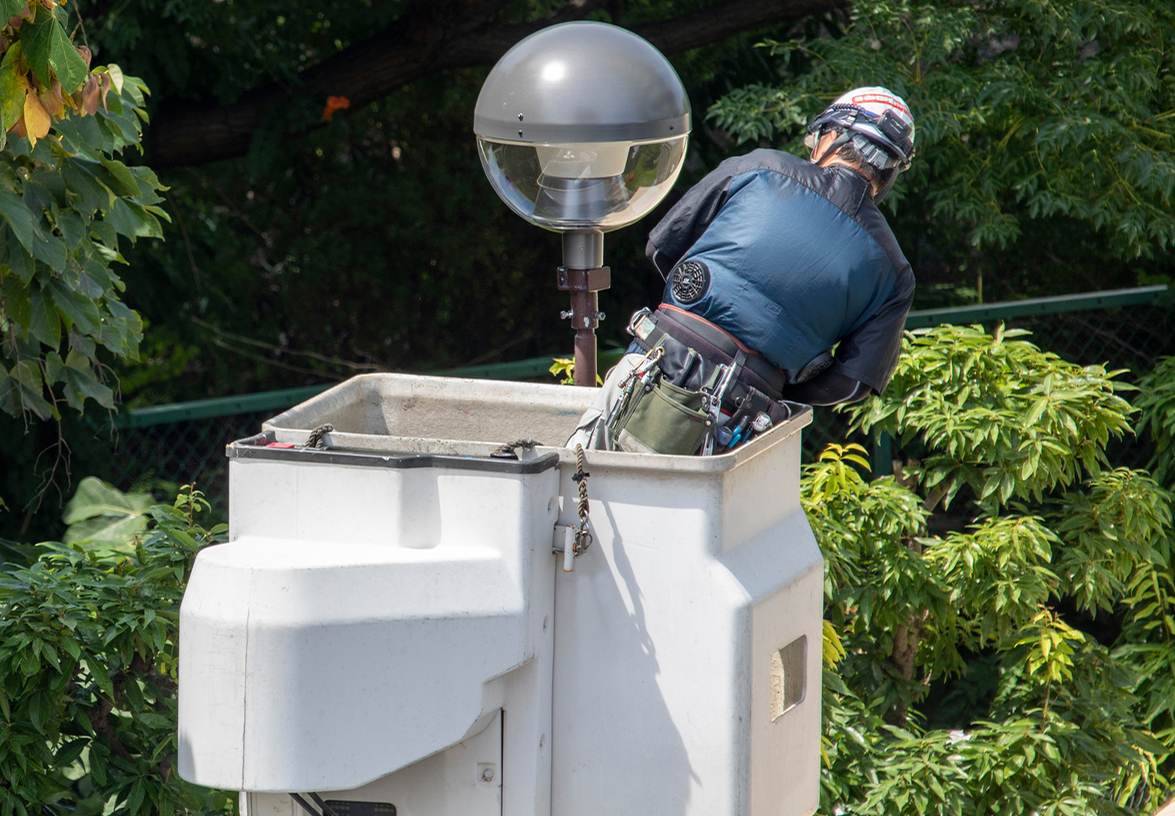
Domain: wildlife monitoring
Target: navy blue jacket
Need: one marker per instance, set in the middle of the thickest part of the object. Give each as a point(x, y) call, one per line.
point(795, 259)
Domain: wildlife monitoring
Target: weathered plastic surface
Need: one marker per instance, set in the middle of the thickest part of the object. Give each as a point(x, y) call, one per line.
point(374, 614)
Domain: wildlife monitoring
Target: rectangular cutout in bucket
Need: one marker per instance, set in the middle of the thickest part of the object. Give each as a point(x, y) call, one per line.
point(787, 676)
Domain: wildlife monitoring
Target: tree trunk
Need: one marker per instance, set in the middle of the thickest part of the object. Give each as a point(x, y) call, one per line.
point(905, 649)
point(904, 653)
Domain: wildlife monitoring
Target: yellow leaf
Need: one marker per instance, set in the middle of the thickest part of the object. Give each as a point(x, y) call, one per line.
point(36, 118)
point(13, 87)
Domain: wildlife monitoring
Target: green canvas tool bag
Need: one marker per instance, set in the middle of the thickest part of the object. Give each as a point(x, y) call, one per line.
point(661, 418)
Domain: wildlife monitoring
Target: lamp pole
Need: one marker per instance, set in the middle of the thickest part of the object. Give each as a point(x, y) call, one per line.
point(582, 128)
point(584, 275)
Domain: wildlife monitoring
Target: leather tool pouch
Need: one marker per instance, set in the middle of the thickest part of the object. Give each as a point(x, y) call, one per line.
point(661, 418)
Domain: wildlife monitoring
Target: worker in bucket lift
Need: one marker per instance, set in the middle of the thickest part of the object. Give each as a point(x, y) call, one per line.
point(783, 284)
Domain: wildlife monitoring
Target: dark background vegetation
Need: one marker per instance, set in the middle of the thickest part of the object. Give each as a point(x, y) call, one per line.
point(302, 251)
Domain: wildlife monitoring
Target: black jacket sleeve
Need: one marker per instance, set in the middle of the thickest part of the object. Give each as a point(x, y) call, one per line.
point(828, 388)
point(870, 354)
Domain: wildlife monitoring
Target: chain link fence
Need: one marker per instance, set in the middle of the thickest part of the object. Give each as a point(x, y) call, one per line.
point(184, 452)
point(1128, 329)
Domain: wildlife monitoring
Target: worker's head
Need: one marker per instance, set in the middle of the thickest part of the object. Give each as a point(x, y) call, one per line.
point(869, 129)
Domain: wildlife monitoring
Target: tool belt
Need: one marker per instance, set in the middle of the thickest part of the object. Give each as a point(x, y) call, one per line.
point(681, 330)
point(698, 390)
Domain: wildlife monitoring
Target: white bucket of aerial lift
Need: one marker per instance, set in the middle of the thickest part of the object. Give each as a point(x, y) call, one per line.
point(388, 632)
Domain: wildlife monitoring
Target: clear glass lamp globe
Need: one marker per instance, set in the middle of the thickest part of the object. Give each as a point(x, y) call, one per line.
point(582, 126)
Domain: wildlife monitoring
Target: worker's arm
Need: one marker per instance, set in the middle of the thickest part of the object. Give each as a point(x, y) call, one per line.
point(869, 354)
point(828, 388)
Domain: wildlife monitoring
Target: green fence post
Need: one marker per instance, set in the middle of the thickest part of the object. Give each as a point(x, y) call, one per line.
point(881, 456)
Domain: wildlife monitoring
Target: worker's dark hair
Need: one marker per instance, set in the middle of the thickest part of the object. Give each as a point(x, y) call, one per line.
point(853, 157)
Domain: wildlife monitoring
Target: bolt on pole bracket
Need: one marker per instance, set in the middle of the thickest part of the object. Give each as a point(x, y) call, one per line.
point(585, 315)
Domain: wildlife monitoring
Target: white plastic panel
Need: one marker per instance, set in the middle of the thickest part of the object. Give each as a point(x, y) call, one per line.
point(664, 637)
point(333, 654)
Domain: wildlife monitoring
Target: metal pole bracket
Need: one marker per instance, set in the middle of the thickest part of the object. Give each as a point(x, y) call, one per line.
point(584, 280)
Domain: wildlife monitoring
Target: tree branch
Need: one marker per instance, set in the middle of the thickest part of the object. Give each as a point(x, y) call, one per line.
point(432, 37)
point(720, 22)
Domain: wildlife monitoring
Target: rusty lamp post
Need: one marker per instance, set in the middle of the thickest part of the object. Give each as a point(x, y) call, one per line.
point(582, 129)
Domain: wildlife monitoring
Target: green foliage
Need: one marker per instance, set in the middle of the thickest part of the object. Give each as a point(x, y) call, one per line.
point(1113, 531)
point(865, 528)
point(997, 414)
point(997, 597)
point(1026, 110)
point(64, 202)
point(998, 578)
point(563, 368)
point(88, 655)
point(1156, 401)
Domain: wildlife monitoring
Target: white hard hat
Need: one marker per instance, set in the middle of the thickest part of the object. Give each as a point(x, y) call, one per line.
point(876, 120)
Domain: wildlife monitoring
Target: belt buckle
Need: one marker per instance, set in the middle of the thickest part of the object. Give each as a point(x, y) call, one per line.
point(641, 324)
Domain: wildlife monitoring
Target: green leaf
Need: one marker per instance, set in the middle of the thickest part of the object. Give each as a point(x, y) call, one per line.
point(30, 664)
point(19, 261)
point(98, 763)
point(95, 498)
point(106, 233)
point(108, 534)
point(12, 84)
point(101, 676)
point(133, 221)
point(10, 8)
point(79, 310)
point(47, 46)
point(120, 178)
point(72, 228)
point(68, 753)
point(50, 655)
point(34, 710)
point(88, 192)
point(80, 384)
point(25, 377)
point(95, 275)
point(20, 218)
point(136, 798)
point(146, 178)
point(51, 252)
point(43, 321)
point(16, 299)
point(44, 190)
point(71, 647)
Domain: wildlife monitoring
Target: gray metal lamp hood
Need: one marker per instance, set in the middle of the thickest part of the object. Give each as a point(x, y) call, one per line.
point(582, 82)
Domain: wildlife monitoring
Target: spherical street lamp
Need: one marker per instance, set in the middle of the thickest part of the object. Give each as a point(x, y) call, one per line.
point(582, 129)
